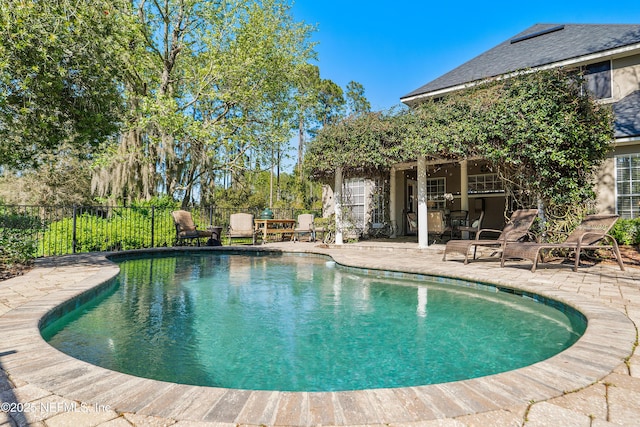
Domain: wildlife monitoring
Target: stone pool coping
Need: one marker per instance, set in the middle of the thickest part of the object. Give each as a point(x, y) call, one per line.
point(28, 360)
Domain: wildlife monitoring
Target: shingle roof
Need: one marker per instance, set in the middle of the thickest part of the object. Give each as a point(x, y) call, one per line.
point(554, 43)
point(627, 114)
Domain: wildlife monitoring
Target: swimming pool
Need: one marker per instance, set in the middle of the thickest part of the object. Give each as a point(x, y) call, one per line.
point(267, 322)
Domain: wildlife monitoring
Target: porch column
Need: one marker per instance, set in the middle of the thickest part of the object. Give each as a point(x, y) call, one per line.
point(337, 198)
point(464, 191)
point(392, 203)
point(423, 231)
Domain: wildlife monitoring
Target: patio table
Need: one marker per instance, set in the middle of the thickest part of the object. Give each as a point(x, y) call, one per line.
point(275, 227)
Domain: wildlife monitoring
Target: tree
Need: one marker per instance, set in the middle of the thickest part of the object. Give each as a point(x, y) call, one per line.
point(59, 81)
point(62, 179)
point(306, 97)
point(211, 93)
point(357, 103)
point(331, 101)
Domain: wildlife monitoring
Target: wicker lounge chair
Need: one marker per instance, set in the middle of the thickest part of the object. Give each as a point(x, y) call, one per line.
point(591, 234)
point(241, 227)
point(516, 229)
point(304, 227)
point(186, 228)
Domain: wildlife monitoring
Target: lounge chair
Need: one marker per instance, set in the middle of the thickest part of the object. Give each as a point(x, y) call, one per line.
point(304, 227)
point(186, 228)
point(516, 229)
point(241, 227)
point(591, 234)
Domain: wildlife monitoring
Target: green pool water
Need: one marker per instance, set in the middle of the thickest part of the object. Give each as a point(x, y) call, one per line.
point(301, 323)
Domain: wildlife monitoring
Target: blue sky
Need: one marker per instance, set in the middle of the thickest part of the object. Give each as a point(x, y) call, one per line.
point(394, 47)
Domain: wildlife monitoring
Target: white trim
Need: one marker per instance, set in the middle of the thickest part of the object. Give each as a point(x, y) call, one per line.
point(581, 60)
point(630, 140)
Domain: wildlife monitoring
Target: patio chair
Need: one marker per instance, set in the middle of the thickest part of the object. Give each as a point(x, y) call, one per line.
point(457, 219)
point(186, 228)
point(304, 227)
point(241, 227)
point(474, 227)
point(591, 234)
point(516, 229)
point(436, 224)
point(322, 229)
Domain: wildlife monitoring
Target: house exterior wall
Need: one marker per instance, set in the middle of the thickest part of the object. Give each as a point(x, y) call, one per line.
point(354, 227)
point(625, 76)
point(328, 204)
point(398, 220)
point(625, 80)
point(605, 186)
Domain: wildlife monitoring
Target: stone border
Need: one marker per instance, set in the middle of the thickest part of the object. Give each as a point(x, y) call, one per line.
point(607, 342)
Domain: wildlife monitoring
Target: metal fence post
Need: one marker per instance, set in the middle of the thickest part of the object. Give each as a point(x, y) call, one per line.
point(73, 234)
point(153, 226)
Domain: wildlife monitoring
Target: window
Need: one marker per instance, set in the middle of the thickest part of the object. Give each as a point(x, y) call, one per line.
point(353, 201)
point(628, 185)
point(598, 79)
point(435, 193)
point(485, 183)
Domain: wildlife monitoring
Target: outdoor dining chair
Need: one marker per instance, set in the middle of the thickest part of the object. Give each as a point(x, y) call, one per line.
point(303, 227)
point(241, 227)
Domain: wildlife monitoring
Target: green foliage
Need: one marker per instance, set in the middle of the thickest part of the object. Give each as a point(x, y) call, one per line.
point(58, 84)
point(18, 238)
point(108, 230)
point(210, 89)
point(356, 101)
point(627, 231)
point(254, 193)
point(360, 144)
point(544, 136)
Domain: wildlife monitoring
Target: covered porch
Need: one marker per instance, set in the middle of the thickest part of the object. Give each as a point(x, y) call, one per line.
point(427, 201)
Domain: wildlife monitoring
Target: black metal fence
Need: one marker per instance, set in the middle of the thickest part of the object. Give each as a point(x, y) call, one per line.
point(62, 230)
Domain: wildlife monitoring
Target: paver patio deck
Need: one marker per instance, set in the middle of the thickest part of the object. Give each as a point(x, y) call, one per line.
point(595, 383)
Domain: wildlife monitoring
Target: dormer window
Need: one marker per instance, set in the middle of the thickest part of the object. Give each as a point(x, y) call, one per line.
point(598, 79)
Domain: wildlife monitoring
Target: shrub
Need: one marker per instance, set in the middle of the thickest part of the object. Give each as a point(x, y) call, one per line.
point(627, 231)
point(18, 238)
point(109, 230)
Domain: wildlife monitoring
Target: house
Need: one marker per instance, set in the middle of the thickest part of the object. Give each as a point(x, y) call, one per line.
point(609, 56)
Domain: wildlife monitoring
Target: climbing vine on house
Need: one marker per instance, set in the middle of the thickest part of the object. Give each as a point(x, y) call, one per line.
point(539, 130)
